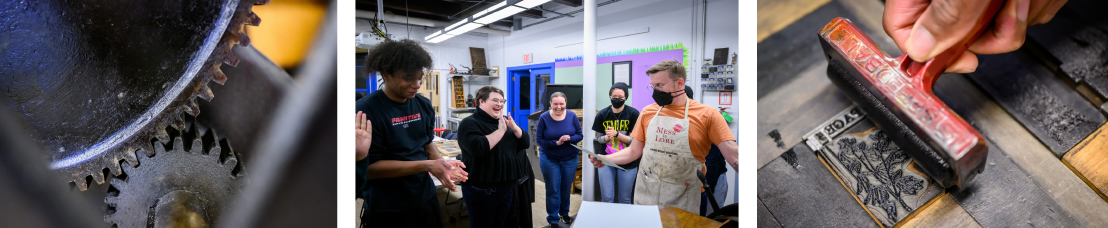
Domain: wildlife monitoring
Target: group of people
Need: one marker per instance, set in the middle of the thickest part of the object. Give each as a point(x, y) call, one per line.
point(660, 149)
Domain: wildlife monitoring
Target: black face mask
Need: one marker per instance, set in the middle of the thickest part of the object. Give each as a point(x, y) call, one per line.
point(664, 98)
point(617, 103)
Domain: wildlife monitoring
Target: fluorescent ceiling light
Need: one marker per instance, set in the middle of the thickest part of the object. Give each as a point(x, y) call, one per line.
point(501, 14)
point(490, 9)
point(432, 35)
point(440, 38)
point(464, 28)
point(463, 21)
point(527, 4)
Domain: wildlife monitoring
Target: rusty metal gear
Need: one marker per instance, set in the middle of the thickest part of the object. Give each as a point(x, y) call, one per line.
point(97, 81)
point(189, 184)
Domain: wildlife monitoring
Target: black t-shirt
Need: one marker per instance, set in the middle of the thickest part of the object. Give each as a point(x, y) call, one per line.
point(400, 132)
point(623, 122)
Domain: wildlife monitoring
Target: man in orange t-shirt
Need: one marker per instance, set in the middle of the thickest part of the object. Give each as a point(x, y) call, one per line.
point(673, 142)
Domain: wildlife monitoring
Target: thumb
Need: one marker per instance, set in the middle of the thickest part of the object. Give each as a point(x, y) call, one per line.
point(942, 25)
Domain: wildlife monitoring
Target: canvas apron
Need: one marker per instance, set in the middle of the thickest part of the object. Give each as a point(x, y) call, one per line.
point(667, 172)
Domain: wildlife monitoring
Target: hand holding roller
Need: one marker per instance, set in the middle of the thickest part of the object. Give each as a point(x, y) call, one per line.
point(897, 95)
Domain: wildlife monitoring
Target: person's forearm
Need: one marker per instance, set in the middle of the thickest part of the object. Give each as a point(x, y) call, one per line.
point(600, 138)
point(393, 168)
point(495, 137)
point(730, 153)
point(432, 152)
point(518, 132)
point(625, 139)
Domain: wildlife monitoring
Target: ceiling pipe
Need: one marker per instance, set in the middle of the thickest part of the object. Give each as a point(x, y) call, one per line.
point(415, 21)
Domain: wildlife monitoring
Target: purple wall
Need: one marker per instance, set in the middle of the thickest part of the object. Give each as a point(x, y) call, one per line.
point(639, 64)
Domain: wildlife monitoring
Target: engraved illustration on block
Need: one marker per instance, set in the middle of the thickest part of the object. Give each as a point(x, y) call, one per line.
point(878, 172)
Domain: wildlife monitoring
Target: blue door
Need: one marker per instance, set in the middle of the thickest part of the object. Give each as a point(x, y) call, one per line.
point(521, 96)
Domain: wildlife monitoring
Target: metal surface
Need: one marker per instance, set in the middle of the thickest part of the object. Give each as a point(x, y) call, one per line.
point(292, 180)
point(32, 195)
point(896, 93)
point(831, 128)
point(191, 182)
point(93, 86)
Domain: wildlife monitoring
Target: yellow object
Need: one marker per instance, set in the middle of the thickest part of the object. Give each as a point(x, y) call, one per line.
point(774, 15)
point(287, 30)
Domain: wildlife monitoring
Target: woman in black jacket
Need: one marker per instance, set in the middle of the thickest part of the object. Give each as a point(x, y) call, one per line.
point(491, 145)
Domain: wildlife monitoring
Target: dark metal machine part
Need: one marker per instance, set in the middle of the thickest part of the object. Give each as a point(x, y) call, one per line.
point(93, 84)
point(289, 184)
point(84, 76)
point(196, 176)
point(32, 195)
point(247, 104)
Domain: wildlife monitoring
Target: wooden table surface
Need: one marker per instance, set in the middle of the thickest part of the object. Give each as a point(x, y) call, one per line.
point(1025, 183)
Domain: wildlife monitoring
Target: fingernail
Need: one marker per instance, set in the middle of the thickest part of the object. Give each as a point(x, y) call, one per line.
point(920, 44)
point(964, 71)
point(1021, 10)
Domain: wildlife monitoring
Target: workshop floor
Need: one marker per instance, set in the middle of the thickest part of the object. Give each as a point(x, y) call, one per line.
point(538, 208)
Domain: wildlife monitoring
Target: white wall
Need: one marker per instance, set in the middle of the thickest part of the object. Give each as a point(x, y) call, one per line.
point(669, 22)
point(452, 51)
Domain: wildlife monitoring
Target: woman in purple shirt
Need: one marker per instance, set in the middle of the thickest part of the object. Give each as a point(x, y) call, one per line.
point(556, 131)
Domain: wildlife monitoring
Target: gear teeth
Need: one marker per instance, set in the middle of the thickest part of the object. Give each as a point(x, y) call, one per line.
point(254, 19)
point(218, 76)
point(206, 92)
point(191, 108)
point(158, 149)
point(98, 177)
point(178, 144)
point(231, 59)
point(147, 149)
point(179, 120)
point(215, 151)
point(128, 156)
point(119, 184)
point(111, 200)
point(244, 40)
point(160, 133)
point(230, 164)
point(80, 182)
point(197, 146)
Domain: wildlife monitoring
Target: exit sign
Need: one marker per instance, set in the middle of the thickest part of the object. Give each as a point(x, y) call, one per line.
point(528, 58)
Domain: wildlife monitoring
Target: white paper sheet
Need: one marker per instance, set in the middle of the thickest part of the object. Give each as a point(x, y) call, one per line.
point(607, 215)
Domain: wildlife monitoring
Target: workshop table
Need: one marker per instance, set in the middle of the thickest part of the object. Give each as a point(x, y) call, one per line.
point(1048, 147)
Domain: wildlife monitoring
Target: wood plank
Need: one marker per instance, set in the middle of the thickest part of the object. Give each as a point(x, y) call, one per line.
point(1055, 113)
point(793, 49)
point(1005, 196)
point(774, 15)
point(687, 219)
point(943, 211)
point(766, 219)
point(1008, 137)
point(1089, 158)
point(795, 109)
point(799, 191)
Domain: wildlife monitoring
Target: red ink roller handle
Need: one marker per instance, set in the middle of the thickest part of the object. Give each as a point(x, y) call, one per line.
point(930, 70)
